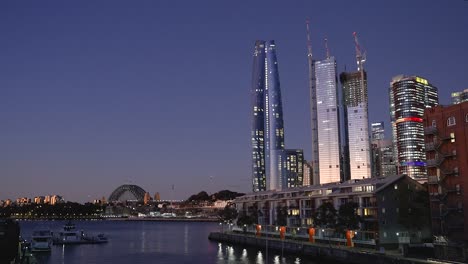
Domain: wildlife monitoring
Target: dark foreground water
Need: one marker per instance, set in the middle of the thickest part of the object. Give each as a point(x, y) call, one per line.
point(153, 242)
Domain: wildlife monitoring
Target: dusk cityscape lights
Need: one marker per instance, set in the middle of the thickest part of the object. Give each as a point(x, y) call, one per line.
point(310, 127)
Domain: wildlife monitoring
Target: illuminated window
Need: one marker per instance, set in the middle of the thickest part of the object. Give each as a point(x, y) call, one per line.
point(452, 137)
point(451, 121)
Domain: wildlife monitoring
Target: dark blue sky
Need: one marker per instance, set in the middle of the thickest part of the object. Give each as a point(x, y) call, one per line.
point(94, 94)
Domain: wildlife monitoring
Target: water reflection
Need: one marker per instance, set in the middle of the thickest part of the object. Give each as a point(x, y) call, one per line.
point(186, 236)
point(239, 254)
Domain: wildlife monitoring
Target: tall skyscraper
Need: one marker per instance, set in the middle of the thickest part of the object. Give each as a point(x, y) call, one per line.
point(357, 123)
point(328, 121)
point(356, 118)
point(267, 133)
point(410, 95)
point(460, 97)
point(294, 168)
point(314, 162)
point(378, 130)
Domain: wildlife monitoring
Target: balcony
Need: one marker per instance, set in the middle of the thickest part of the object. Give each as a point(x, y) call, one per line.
point(432, 146)
point(430, 130)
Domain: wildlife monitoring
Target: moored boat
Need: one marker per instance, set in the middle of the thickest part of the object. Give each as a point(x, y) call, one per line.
point(41, 240)
point(69, 235)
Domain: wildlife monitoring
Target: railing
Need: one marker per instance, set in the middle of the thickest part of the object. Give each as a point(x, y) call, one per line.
point(430, 130)
point(301, 233)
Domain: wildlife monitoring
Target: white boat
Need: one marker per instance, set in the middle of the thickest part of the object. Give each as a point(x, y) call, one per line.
point(168, 215)
point(69, 235)
point(41, 240)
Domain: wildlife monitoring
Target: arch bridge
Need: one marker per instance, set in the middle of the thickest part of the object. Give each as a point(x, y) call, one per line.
point(135, 190)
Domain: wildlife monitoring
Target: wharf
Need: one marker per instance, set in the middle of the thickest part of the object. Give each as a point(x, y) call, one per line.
point(321, 251)
point(162, 219)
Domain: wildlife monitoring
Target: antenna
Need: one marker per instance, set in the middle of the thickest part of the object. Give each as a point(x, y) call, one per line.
point(309, 42)
point(326, 48)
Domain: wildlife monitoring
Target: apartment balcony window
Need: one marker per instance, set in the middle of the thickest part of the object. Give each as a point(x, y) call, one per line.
point(451, 121)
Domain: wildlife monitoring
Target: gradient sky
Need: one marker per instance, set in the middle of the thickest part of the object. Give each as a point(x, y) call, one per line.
point(95, 94)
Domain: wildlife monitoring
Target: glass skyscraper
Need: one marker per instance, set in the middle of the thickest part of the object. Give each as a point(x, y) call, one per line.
point(460, 97)
point(328, 123)
point(357, 123)
point(409, 97)
point(378, 130)
point(267, 132)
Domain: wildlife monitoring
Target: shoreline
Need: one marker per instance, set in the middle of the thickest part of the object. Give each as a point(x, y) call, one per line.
point(321, 251)
point(149, 219)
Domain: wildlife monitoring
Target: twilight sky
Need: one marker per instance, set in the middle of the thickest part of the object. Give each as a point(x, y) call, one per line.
point(95, 94)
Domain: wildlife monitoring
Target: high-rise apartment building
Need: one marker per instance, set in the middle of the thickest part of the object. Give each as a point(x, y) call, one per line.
point(293, 168)
point(307, 169)
point(378, 131)
point(383, 160)
point(410, 96)
point(328, 121)
point(446, 138)
point(460, 97)
point(267, 133)
point(357, 123)
point(314, 162)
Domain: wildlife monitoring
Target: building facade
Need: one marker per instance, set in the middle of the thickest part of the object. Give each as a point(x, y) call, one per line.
point(383, 204)
point(294, 168)
point(460, 97)
point(378, 131)
point(446, 135)
point(357, 123)
point(383, 160)
point(308, 178)
point(411, 96)
point(267, 132)
point(328, 121)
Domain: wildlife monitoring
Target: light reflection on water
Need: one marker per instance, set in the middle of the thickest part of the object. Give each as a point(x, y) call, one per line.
point(154, 242)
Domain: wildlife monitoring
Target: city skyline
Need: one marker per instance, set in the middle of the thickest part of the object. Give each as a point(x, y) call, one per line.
point(93, 96)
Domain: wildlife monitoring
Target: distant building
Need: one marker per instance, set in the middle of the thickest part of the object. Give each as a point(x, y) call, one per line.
point(307, 168)
point(146, 198)
point(409, 97)
point(378, 131)
point(23, 200)
point(460, 97)
point(293, 166)
point(157, 197)
point(39, 199)
point(386, 206)
point(383, 159)
point(446, 137)
point(55, 199)
point(328, 121)
point(357, 124)
point(267, 134)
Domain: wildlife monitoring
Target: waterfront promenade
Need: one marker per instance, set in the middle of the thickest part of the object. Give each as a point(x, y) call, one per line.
point(317, 250)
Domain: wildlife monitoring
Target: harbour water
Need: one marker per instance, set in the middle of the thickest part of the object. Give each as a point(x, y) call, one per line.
point(153, 242)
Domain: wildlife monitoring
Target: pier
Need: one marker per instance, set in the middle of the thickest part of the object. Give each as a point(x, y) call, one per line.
point(329, 251)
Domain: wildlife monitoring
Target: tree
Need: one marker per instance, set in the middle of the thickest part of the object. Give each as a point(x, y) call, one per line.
point(281, 216)
point(347, 217)
point(228, 214)
point(325, 215)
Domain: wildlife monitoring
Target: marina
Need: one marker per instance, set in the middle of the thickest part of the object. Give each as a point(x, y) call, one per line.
point(68, 235)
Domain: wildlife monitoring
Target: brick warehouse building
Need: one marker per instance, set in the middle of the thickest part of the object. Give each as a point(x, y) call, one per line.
point(446, 138)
